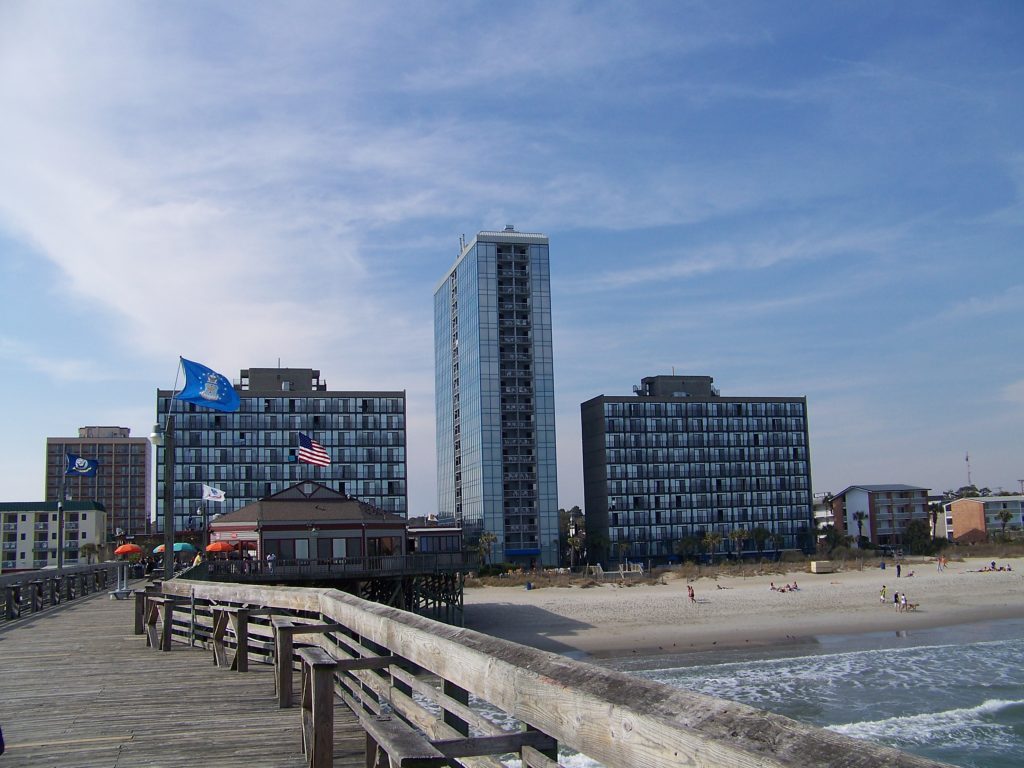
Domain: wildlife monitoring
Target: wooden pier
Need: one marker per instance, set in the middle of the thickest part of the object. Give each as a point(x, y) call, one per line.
point(202, 673)
point(80, 689)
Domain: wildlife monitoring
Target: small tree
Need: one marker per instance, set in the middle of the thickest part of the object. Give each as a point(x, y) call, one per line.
point(711, 541)
point(484, 546)
point(916, 538)
point(575, 548)
point(686, 546)
point(90, 550)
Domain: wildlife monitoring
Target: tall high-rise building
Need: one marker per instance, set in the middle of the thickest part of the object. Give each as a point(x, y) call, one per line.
point(496, 467)
point(121, 483)
point(253, 453)
point(676, 461)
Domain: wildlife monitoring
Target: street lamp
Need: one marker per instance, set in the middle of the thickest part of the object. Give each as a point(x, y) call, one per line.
point(164, 436)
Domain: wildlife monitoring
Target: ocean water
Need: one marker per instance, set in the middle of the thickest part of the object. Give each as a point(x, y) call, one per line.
point(954, 694)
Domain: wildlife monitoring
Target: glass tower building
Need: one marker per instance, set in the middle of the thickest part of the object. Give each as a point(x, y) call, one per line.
point(251, 453)
point(496, 467)
point(676, 461)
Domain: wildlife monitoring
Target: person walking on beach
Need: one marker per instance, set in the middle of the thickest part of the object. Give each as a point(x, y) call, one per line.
point(882, 594)
point(896, 600)
point(689, 591)
point(897, 570)
point(903, 602)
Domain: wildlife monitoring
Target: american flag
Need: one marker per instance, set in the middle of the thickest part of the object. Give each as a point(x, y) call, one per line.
point(311, 452)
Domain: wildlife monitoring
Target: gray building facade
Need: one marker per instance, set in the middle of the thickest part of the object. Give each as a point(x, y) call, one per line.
point(251, 453)
point(676, 461)
point(494, 376)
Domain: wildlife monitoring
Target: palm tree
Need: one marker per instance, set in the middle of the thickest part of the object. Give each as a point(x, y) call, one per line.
point(760, 536)
point(711, 541)
point(934, 509)
point(860, 517)
point(624, 547)
point(1005, 516)
point(737, 536)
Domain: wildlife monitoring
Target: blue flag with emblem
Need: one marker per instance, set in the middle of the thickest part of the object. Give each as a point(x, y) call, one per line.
point(81, 467)
point(207, 388)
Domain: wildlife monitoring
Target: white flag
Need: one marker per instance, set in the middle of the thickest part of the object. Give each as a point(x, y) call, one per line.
point(212, 494)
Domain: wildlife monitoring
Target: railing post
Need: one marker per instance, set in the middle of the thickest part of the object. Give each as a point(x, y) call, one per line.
point(13, 601)
point(36, 595)
point(317, 707)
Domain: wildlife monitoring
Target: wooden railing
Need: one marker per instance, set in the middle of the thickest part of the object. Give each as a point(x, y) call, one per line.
point(431, 694)
point(343, 567)
point(34, 591)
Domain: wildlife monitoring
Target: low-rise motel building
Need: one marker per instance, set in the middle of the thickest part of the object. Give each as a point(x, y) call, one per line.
point(32, 531)
point(879, 513)
point(980, 518)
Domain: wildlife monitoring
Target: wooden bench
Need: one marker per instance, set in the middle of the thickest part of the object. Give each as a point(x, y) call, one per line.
point(317, 702)
point(238, 619)
point(160, 607)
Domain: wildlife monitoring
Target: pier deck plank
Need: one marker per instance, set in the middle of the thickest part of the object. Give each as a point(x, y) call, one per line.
point(78, 688)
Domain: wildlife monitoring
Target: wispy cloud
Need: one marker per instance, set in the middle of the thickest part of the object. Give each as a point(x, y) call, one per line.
point(1009, 300)
point(58, 368)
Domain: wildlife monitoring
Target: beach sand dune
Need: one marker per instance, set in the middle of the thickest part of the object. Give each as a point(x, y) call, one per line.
point(612, 620)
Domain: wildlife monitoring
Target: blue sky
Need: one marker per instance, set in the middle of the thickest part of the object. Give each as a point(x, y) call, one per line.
point(820, 199)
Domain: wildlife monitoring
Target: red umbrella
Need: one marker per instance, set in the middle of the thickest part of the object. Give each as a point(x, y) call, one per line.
point(219, 546)
point(128, 549)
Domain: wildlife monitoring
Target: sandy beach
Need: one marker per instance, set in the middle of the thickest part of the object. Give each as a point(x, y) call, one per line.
point(613, 620)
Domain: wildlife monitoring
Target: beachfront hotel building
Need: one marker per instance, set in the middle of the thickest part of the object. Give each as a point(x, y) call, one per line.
point(494, 396)
point(676, 460)
point(32, 532)
point(888, 510)
point(252, 453)
point(978, 518)
point(122, 480)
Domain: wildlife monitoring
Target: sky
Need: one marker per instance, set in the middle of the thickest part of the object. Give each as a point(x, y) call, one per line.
point(796, 198)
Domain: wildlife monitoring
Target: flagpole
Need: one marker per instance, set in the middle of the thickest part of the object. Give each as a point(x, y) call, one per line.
point(60, 516)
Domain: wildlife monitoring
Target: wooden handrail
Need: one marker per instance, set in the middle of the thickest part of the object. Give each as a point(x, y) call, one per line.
point(618, 720)
point(29, 592)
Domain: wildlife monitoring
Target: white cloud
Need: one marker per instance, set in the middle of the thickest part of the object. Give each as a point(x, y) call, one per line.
point(60, 368)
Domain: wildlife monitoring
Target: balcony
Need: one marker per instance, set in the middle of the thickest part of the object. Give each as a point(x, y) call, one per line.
point(40, 546)
point(10, 546)
point(41, 526)
point(520, 476)
point(10, 526)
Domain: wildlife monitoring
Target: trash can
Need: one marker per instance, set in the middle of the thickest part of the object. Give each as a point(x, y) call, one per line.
point(882, 565)
point(529, 585)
